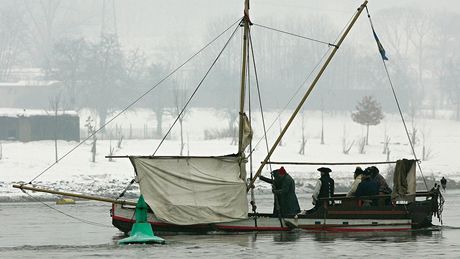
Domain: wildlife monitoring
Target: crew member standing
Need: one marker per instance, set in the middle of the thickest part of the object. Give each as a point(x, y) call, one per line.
point(283, 186)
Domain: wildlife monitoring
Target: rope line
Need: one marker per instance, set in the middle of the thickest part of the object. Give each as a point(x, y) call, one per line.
point(196, 90)
point(260, 99)
point(136, 100)
point(292, 97)
point(89, 222)
point(399, 108)
point(295, 35)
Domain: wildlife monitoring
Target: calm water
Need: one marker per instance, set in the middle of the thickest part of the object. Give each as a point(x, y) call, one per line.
point(32, 230)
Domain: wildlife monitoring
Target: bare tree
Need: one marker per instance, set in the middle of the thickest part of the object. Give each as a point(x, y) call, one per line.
point(106, 74)
point(11, 29)
point(362, 145)
point(346, 146)
point(180, 95)
point(303, 141)
point(156, 98)
point(91, 130)
point(55, 105)
point(43, 16)
point(426, 150)
point(322, 125)
point(69, 56)
point(447, 63)
point(413, 135)
point(386, 143)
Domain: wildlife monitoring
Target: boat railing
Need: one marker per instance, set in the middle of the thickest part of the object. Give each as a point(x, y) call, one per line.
point(381, 199)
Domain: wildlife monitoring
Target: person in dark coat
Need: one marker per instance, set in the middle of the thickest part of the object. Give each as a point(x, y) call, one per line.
point(324, 186)
point(367, 187)
point(283, 186)
point(443, 183)
point(378, 178)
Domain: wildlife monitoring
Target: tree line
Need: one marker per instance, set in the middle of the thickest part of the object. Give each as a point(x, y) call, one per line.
point(99, 73)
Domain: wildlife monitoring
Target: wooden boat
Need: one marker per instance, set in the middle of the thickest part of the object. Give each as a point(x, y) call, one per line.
point(346, 215)
point(207, 194)
point(338, 213)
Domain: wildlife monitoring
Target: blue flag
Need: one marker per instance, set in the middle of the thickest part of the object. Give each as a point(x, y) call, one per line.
point(379, 45)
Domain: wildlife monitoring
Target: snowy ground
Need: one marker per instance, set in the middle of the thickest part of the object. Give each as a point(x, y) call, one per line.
point(21, 162)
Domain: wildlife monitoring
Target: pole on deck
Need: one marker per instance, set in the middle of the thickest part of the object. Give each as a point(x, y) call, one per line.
point(310, 89)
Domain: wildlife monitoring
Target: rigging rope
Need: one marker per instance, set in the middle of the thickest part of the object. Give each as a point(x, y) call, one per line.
point(89, 222)
point(259, 97)
point(196, 89)
point(292, 97)
point(137, 100)
point(253, 200)
point(397, 103)
point(295, 35)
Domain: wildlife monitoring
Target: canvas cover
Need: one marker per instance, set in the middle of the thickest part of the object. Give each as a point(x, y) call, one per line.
point(193, 190)
point(404, 181)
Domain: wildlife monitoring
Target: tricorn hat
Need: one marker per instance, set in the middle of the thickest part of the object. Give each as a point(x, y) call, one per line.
point(324, 169)
point(358, 170)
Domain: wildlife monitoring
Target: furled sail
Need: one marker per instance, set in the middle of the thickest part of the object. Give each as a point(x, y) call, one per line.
point(194, 190)
point(404, 180)
point(247, 132)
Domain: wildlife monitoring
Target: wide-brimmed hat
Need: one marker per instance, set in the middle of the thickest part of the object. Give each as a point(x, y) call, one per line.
point(324, 169)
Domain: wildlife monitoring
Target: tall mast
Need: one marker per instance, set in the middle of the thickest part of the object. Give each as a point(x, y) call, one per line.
point(246, 22)
point(313, 84)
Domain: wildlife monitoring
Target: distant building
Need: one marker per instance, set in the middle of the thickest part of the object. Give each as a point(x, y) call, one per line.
point(38, 125)
point(28, 94)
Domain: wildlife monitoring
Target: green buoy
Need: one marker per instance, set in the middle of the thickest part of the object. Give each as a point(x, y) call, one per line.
point(141, 232)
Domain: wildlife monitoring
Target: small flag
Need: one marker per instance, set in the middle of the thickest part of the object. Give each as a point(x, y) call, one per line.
point(379, 45)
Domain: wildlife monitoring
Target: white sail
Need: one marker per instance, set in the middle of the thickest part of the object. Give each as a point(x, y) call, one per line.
point(247, 132)
point(193, 190)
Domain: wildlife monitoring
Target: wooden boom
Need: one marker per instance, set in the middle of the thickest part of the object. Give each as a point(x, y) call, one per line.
point(77, 195)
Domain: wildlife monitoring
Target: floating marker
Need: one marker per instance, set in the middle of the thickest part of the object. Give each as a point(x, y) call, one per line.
point(142, 232)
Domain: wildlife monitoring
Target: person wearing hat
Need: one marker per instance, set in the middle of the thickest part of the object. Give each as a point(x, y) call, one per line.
point(324, 186)
point(283, 186)
point(367, 187)
point(358, 174)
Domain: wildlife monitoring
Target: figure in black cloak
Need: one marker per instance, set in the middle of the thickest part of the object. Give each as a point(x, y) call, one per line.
point(443, 183)
point(324, 186)
point(283, 187)
point(367, 187)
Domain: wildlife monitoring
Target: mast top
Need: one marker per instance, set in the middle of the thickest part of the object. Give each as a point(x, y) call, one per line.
point(246, 11)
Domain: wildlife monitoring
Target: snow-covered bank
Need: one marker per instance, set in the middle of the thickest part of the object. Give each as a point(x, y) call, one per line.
point(21, 162)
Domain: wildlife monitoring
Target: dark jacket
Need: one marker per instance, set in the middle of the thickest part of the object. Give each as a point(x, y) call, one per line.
point(367, 187)
point(327, 187)
point(382, 184)
point(284, 189)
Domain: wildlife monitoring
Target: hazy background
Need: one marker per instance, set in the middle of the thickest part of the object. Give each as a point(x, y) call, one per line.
point(101, 55)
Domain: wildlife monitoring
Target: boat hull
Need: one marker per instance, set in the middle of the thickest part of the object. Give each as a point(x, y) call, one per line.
point(338, 218)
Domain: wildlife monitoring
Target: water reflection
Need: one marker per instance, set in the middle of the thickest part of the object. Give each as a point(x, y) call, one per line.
point(289, 236)
point(395, 237)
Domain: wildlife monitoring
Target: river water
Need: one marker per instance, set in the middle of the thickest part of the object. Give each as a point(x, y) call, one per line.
point(33, 230)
